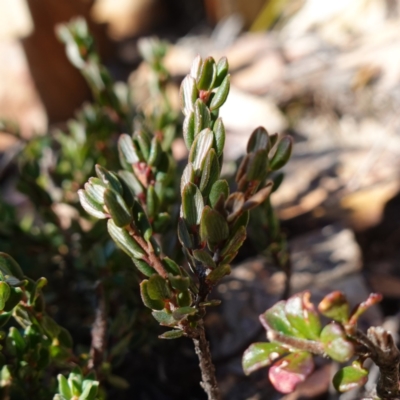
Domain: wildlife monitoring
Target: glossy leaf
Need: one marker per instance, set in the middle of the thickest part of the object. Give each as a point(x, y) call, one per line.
point(4, 294)
point(90, 205)
point(219, 136)
point(117, 208)
point(222, 71)
point(335, 342)
point(175, 334)
point(183, 312)
point(350, 377)
point(221, 94)
point(192, 204)
point(259, 140)
point(179, 282)
point(188, 94)
point(213, 227)
point(218, 273)
point(209, 173)
point(275, 319)
point(9, 267)
point(157, 288)
point(189, 129)
point(207, 74)
point(260, 355)
point(164, 318)
point(204, 257)
point(109, 179)
point(143, 267)
point(291, 370)
point(124, 240)
point(147, 300)
point(335, 306)
point(63, 386)
point(220, 187)
point(302, 315)
point(282, 153)
point(125, 144)
point(202, 117)
point(201, 146)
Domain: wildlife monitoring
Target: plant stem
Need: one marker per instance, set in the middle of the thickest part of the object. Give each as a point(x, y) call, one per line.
point(209, 381)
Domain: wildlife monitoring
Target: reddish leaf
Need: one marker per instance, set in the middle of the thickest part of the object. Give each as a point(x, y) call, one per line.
point(291, 370)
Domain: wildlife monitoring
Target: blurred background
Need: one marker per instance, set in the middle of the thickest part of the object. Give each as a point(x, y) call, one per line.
point(327, 73)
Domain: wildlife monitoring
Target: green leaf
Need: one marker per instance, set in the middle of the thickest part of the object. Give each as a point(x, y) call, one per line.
point(192, 204)
point(302, 315)
point(336, 344)
point(143, 267)
point(188, 94)
point(90, 206)
point(175, 334)
point(179, 282)
point(157, 288)
point(155, 152)
point(259, 140)
point(15, 342)
point(196, 66)
point(189, 129)
point(219, 188)
point(335, 306)
point(164, 318)
point(235, 242)
point(188, 176)
point(200, 147)
point(124, 240)
point(132, 182)
point(206, 76)
point(65, 338)
point(221, 94)
point(125, 145)
point(185, 238)
point(291, 370)
point(183, 312)
point(209, 173)
point(152, 202)
point(144, 141)
point(9, 267)
point(63, 387)
point(4, 294)
point(5, 317)
point(282, 153)
point(350, 377)
point(218, 273)
point(90, 391)
point(50, 326)
point(109, 179)
point(161, 222)
point(260, 355)
point(171, 266)
point(257, 165)
point(213, 227)
point(95, 189)
point(117, 208)
point(184, 298)
point(202, 117)
point(219, 136)
point(222, 71)
point(147, 300)
point(275, 319)
point(141, 221)
point(205, 258)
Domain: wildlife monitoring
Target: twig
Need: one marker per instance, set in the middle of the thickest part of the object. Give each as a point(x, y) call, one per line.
point(99, 331)
point(209, 381)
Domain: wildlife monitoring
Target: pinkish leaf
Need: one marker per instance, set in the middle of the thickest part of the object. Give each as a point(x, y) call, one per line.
point(291, 370)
